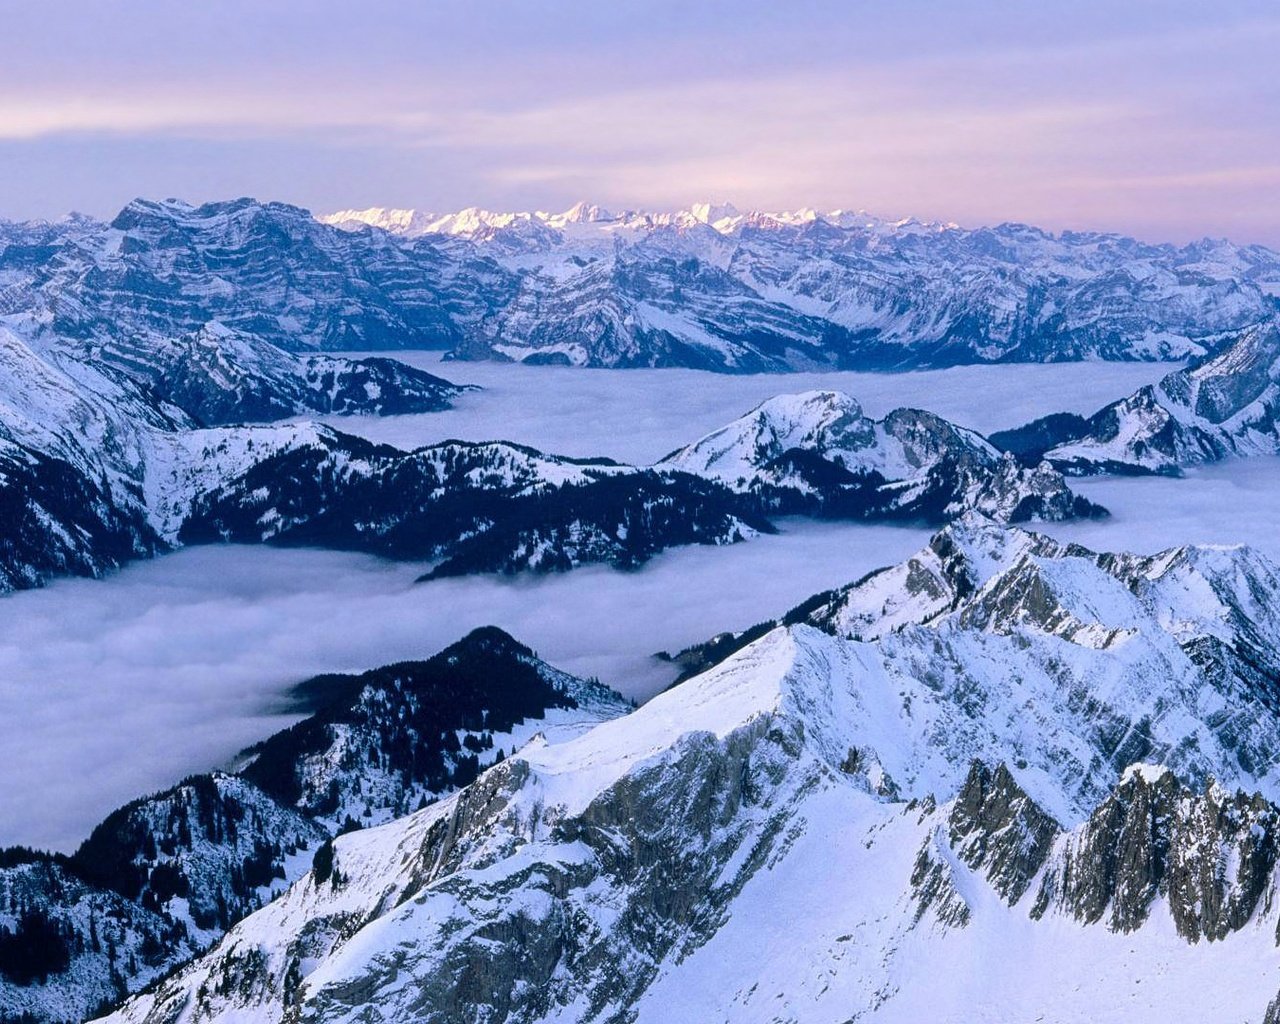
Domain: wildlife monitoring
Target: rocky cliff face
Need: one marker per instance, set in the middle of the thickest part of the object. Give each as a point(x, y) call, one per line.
point(1209, 857)
point(1001, 645)
point(267, 269)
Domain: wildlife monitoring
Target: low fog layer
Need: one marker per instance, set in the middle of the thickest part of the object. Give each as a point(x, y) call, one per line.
point(638, 416)
point(110, 689)
point(1233, 502)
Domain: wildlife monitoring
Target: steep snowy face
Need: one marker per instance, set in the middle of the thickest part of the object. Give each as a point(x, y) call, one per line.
point(818, 451)
point(744, 833)
point(996, 644)
point(1222, 406)
point(827, 422)
point(59, 521)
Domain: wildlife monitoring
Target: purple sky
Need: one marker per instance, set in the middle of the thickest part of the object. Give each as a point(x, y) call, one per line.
point(1160, 119)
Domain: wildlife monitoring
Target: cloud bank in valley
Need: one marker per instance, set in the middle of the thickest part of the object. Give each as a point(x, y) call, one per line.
point(111, 689)
point(639, 416)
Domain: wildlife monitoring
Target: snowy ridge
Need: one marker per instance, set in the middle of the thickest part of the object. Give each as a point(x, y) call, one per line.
point(818, 449)
point(161, 879)
point(1219, 407)
point(691, 842)
point(506, 508)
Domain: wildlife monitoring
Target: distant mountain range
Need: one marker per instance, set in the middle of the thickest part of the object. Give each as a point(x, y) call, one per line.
point(716, 288)
point(141, 361)
point(705, 287)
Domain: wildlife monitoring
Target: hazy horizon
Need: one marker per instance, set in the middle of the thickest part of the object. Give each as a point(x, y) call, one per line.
point(1156, 120)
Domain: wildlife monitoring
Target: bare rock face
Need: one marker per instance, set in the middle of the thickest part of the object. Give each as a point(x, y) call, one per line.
point(997, 829)
point(1210, 855)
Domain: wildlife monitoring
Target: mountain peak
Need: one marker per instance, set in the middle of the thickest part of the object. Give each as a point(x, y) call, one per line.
point(712, 214)
point(582, 212)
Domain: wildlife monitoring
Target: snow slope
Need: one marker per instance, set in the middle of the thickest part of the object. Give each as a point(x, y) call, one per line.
point(786, 836)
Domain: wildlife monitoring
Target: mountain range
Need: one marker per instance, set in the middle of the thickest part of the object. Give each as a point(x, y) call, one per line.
point(1006, 778)
point(1005, 752)
point(716, 288)
point(106, 461)
point(706, 287)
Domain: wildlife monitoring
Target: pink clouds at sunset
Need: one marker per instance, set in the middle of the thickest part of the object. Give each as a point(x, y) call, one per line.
point(1154, 119)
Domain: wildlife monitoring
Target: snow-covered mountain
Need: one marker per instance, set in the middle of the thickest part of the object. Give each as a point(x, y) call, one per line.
point(709, 286)
point(103, 457)
point(108, 464)
point(218, 376)
point(162, 878)
point(499, 507)
point(818, 451)
point(1037, 774)
point(473, 507)
point(265, 269)
point(1225, 405)
point(714, 287)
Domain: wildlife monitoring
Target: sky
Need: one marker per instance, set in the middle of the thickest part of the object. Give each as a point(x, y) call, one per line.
point(1159, 118)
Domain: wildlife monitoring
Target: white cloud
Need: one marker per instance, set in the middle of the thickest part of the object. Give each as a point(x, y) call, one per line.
point(110, 689)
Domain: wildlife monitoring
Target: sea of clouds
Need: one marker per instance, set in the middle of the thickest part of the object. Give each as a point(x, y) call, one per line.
point(638, 416)
point(113, 688)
